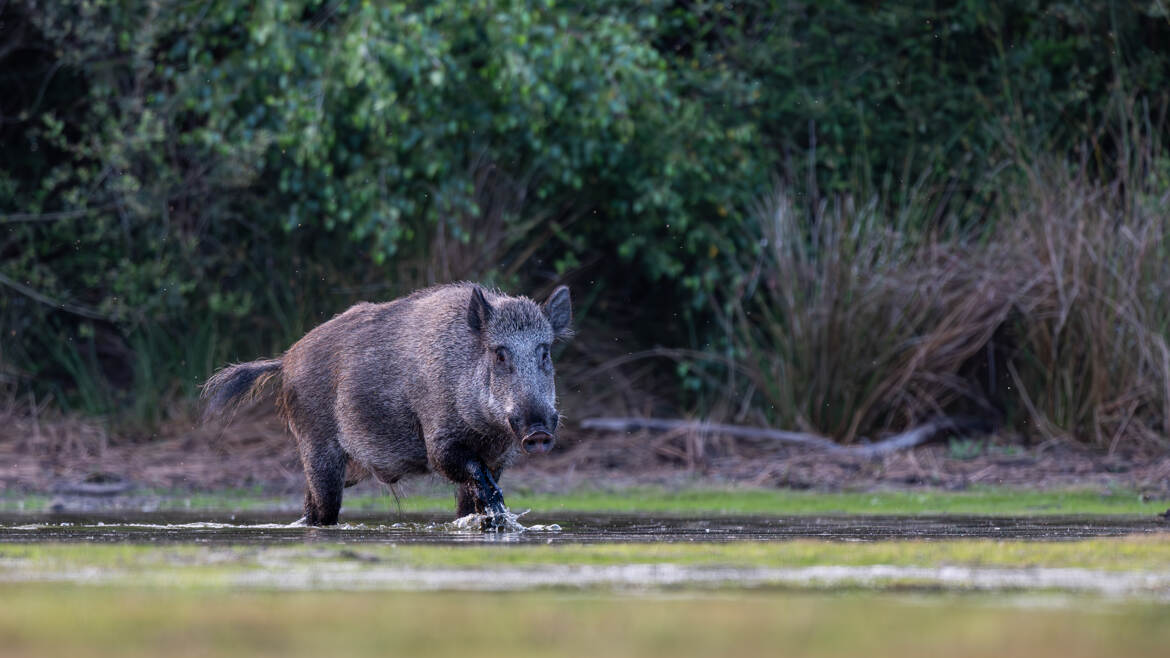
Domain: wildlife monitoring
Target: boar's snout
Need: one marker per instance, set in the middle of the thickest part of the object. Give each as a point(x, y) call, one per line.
point(536, 433)
point(537, 442)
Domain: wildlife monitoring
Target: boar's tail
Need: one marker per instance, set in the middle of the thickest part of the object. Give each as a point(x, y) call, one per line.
point(237, 382)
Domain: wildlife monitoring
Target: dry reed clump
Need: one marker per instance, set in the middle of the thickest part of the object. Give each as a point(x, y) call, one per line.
point(1093, 327)
point(849, 323)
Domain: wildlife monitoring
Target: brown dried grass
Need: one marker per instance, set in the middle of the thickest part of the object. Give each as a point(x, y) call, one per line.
point(1054, 323)
point(41, 448)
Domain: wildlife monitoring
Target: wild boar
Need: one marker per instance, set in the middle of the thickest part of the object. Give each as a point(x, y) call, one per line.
point(455, 379)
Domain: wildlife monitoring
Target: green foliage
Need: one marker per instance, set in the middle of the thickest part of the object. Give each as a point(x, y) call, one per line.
point(195, 157)
point(878, 93)
point(184, 183)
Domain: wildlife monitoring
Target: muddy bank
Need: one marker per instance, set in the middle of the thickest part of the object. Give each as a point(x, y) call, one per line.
point(253, 452)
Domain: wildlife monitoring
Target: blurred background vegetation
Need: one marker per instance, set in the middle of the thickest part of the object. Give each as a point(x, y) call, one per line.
point(837, 216)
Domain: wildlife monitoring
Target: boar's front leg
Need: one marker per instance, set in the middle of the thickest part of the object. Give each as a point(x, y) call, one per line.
point(488, 495)
point(468, 499)
point(477, 491)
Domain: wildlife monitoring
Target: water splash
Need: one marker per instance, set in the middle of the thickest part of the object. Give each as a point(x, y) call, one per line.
point(506, 522)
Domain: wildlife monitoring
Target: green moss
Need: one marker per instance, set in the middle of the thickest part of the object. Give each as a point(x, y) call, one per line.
point(1117, 554)
point(783, 502)
point(1121, 554)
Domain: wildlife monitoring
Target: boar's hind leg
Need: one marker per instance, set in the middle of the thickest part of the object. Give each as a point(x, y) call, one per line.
point(325, 464)
point(467, 500)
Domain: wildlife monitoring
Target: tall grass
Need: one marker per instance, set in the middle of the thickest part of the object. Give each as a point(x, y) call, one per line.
point(138, 379)
point(1053, 319)
point(1094, 323)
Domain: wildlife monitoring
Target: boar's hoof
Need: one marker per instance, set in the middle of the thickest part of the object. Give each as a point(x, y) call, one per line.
point(537, 443)
point(502, 522)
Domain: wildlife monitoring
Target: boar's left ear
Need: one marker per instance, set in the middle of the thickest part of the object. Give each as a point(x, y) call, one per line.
point(479, 311)
point(559, 312)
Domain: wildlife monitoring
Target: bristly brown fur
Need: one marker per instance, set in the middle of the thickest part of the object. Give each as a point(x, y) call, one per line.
point(448, 379)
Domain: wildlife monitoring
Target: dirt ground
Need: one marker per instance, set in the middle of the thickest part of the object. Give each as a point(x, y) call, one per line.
point(39, 455)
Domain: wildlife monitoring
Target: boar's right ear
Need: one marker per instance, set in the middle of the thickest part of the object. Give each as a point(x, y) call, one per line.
point(559, 311)
point(479, 311)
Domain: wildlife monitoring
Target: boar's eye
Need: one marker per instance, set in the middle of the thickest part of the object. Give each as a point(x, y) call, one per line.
point(501, 355)
point(545, 359)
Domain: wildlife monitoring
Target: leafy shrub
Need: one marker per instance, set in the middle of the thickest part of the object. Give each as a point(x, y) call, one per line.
point(875, 94)
point(236, 160)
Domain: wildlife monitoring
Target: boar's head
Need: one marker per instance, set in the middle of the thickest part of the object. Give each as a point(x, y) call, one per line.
point(515, 338)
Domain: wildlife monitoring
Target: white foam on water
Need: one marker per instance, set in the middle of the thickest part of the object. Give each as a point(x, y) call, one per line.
point(471, 523)
point(509, 523)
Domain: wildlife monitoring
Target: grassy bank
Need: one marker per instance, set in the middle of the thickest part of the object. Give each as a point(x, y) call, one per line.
point(651, 500)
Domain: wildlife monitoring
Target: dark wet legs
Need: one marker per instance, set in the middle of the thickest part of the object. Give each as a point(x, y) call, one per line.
point(489, 492)
point(323, 499)
point(467, 500)
point(325, 479)
point(477, 491)
point(480, 495)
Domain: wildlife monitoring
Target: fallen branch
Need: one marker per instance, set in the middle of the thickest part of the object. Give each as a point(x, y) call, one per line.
point(742, 431)
point(912, 437)
point(916, 436)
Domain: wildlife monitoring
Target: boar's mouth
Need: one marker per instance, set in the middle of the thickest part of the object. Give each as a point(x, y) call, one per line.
point(537, 442)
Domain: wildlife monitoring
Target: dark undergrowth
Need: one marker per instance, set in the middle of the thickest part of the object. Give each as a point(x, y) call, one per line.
point(970, 214)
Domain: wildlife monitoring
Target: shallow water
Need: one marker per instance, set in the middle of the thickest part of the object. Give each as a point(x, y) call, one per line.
point(267, 528)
